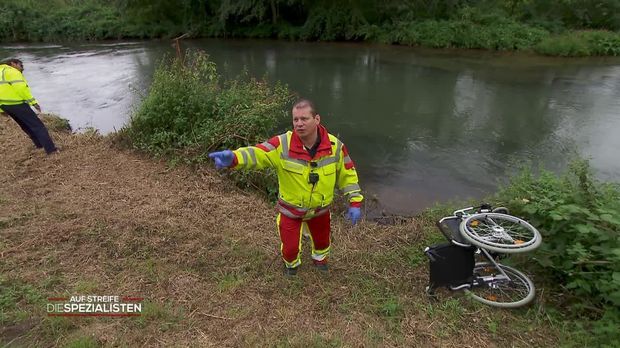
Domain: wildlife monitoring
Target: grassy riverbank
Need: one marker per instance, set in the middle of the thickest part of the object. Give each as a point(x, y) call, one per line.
point(556, 28)
point(100, 219)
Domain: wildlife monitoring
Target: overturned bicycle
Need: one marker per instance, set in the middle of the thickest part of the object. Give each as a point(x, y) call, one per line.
point(478, 237)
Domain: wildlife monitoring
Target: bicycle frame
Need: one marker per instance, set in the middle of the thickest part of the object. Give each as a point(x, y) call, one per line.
point(486, 279)
point(482, 231)
point(464, 211)
point(461, 214)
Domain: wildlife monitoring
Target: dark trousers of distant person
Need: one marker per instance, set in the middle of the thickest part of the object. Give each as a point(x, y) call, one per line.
point(30, 123)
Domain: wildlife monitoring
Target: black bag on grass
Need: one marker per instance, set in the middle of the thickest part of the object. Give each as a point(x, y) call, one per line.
point(450, 265)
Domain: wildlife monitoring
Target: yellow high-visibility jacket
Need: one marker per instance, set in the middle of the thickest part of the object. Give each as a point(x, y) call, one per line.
point(13, 87)
point(298, 197)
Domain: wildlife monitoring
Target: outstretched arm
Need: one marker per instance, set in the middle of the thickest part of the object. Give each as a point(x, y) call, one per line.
point(261, 156)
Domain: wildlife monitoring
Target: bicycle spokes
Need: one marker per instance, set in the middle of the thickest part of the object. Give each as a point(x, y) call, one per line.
point(501, 286)
point(500, 232)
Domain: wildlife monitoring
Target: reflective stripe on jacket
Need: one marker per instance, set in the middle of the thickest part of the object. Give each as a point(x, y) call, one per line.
point(297, 196)
point(13, 87)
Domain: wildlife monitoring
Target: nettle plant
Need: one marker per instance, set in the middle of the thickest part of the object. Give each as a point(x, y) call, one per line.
point(579, 219)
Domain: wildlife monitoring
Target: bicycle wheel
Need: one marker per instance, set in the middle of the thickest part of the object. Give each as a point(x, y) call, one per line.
point(501, 233)
point(495, 290)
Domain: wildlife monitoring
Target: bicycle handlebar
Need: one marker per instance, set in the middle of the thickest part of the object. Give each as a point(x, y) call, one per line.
point(483, 208)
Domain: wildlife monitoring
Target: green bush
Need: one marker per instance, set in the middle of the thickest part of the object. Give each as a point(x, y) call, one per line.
point(602, 43)
point(506, 35)
point(38, 21)
point(581, 43)
point(189, 112)
point(564, 46)
point(579, 219)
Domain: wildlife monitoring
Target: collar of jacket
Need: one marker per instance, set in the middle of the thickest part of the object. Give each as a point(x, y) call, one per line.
point(297, 151)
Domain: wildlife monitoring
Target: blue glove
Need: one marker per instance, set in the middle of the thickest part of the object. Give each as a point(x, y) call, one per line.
point(354, 214)
point(223, 159)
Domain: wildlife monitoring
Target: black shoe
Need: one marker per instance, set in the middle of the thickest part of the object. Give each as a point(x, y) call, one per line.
point(289, 272)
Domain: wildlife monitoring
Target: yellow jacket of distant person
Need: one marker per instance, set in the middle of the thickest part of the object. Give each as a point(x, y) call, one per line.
point(298, 197)
point(13, 87)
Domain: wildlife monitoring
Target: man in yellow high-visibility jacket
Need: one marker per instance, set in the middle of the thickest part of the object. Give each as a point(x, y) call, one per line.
point(311, 164)
point(16, 100)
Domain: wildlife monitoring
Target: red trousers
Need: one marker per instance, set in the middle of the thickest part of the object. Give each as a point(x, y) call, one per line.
point(291, 232)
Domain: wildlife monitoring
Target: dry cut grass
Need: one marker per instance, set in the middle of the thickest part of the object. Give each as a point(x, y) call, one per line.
point(98, 219)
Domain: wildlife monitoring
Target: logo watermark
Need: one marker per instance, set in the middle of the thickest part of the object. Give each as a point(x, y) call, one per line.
point(94, 306)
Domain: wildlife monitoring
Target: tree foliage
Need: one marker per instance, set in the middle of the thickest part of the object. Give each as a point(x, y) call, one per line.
point(383, 21)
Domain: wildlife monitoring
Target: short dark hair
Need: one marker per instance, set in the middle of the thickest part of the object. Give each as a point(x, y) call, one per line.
point(13, 61)
point(303, 103)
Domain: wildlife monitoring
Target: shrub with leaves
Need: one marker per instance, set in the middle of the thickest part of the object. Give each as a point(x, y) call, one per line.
point(581, 43)
point(579, 219)
point(189, 112)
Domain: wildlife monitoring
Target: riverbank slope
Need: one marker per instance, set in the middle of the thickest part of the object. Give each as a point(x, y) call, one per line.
point(100, 219)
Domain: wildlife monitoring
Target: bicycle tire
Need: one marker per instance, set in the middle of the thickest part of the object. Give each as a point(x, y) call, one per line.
point(499, 292)
point(501, 233)
point(501, 210)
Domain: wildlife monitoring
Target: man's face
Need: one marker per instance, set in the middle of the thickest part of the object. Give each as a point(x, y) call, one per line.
point(303, 121)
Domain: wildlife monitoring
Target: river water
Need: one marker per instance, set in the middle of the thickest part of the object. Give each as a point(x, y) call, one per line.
point(422, 126)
